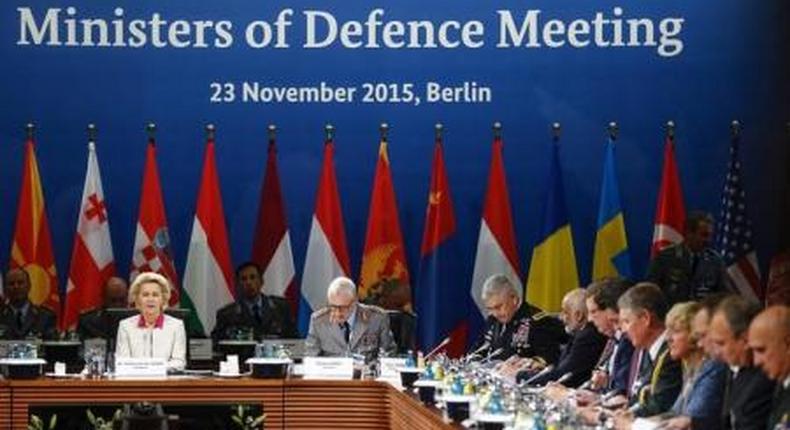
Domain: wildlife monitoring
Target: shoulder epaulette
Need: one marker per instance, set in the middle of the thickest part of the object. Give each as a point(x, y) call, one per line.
point(319, 313)
point(540, 315)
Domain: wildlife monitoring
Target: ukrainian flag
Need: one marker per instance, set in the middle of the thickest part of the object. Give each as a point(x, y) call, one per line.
point(611, 245)
point(552, 272)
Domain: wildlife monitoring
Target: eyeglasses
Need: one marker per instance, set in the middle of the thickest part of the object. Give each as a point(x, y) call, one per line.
point(340, 308)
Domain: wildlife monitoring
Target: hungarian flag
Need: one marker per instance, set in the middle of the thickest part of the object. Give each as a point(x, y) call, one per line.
point(496, 244)
point(327, 253)
point(92, 261)
point(384, 258)
point(152, 251)
point(272, 246)
point(437, 281)
point(208, 276)
point(670, 211)
point(32, 246)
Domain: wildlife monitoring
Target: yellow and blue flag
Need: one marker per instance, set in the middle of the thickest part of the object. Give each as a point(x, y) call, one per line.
point(552, 272)
point(610, 258)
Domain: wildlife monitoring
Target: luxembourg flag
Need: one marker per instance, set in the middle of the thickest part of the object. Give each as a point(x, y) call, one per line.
point(208, 280)
point(272, 246)
point(496, 244)
point(92, 261)
point(327, 253)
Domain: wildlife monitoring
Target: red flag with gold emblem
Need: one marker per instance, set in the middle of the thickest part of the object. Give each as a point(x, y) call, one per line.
point(384, 257)
point(32, 246)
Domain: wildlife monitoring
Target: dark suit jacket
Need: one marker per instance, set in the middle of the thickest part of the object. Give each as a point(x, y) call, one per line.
point(747, 400)
point(39, 322)
point(622, 365)
point(578, 358)
point(663, 381)
point(276, 320)
point(780, 406)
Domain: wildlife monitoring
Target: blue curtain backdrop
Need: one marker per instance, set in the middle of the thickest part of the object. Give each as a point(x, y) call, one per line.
point(733, 65)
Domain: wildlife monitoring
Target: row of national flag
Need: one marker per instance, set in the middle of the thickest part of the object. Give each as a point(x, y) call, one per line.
point(439, 297)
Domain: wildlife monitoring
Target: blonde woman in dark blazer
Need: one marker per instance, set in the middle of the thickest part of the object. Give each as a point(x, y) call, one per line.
point(152, 333)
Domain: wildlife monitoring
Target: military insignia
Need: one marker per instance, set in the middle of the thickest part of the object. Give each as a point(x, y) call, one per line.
point(520, 339)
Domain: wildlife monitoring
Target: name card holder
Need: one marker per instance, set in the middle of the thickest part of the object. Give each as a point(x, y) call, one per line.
point(140, 367)
point(328, 368)
point(389, 367)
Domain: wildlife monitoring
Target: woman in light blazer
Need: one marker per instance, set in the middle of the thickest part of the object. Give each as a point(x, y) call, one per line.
point(152, 333)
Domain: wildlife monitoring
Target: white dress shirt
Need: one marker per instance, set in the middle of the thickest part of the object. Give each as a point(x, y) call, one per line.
point(166, 339)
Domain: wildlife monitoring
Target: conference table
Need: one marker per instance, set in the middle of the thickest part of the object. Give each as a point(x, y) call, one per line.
point(291, 403)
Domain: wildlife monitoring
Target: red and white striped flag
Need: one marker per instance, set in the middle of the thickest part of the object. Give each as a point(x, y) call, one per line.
point(496, 244)
point(327, 253)
point(92, 261)
point(208, 276)
point(670, 210)
point(272, 243)
point(151, 251)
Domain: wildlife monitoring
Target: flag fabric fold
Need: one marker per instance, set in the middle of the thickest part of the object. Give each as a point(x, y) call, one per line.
point(92, 261)
point(735, 239)
point(327, 253)
point(440, 307)
point(208, 275)
point(610, 257)
point(384, 256)
point(152, 252)
point(32, 243)
point(272, 242)
point(552, 271)
point(670, 211)
point(496, 242)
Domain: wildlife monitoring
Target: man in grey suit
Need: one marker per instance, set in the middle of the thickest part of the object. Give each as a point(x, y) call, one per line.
point(348, 327)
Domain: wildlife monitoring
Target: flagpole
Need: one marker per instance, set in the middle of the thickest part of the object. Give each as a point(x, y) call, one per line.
point(30, 129)
point(383, 130)
point(210, 132)
point(150, 129)
point(613, 129)
point(497, 130)
point(272, 131)
point(437, 129)
point(735, 129)
point(671, 131)
point(92, 130)
point(329, 132)
point(556, 130)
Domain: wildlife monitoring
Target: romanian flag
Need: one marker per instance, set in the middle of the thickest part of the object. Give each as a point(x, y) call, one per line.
point(208, 275)
point(384, 257)
point(32, 247)
point(610, 258)
point(437, 282)
point(552, 272)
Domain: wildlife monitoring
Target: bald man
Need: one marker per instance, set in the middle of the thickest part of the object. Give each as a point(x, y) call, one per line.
point(98, 323)
point(585, 347)
point(769, 340)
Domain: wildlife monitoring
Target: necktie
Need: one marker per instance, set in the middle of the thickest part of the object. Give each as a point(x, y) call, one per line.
point(633, 370)
point(19, 319)
point(346, 331)
point(256, 312)
point(607, 353)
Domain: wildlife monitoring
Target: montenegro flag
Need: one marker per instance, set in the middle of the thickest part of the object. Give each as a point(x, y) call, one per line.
point(552, 272)
point(32, 248)
point(384, 258)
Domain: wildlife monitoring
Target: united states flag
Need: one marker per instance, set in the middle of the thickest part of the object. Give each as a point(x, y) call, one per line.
point(735, 231)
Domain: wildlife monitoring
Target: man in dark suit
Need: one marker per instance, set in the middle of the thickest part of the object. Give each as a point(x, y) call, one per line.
point(747, 391)
point(263, 315)
point(19, 318)
point(98, 323)
point(579, 357)
point(656, 379)
point(769, 340)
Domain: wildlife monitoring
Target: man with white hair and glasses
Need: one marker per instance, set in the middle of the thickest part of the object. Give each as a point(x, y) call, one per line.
point(345, 326)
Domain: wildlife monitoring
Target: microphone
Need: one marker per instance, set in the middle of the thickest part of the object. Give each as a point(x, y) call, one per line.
point(564, 378)
point(438, 347)
point(532, 378)
point(491, 355)
point(472, 354)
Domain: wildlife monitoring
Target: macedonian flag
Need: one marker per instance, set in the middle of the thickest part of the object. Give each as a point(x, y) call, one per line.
point(32, 248)
point(384, 270)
